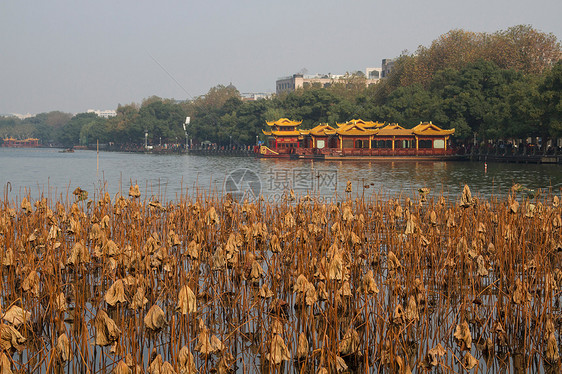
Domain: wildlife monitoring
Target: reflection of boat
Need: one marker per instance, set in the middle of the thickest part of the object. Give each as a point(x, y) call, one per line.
point(68, 150)
point(357, 140)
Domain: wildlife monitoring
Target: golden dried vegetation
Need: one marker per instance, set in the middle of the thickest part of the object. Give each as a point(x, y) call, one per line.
point(205, 284)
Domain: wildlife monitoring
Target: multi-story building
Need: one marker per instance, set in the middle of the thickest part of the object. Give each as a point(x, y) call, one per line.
point(103, 113)
point(252, 96)
point(387, 66)
point(373, 73)
point(296, 81)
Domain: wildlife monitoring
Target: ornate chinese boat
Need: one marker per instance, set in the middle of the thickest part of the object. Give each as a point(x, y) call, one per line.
point(357, 140)
point(16, 143)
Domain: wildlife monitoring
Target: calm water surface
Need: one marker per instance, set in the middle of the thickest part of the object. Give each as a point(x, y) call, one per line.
point(50, 173)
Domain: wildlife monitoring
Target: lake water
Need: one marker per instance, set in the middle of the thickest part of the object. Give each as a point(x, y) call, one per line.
point(52, 174)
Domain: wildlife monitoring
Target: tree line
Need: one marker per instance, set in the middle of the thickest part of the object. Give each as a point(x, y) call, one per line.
point(489, 86)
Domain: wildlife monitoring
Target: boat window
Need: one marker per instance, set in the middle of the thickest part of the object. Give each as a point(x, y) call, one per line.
point(347, 143)
point(438, 144)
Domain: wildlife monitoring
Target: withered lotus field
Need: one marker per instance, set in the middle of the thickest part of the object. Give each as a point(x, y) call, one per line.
point(402, 284)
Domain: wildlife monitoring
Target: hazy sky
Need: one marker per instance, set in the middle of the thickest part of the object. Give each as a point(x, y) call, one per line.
point(76, 55)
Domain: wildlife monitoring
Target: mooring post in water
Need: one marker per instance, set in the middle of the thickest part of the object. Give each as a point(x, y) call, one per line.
point(97, 158)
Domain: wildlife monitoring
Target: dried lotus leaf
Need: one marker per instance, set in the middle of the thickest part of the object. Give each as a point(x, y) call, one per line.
point(110, 248)
point(186, 361)
point(341, 366)
point(521, 294)
point(78, 255)
point(346, 289)
point(156, 365)
point(369, 285)
point(398, 315)
point(60, 303)
point(216, 344)
point(167, 368)
point(107, 331)
point(434, 353)
point(393, 263)
point(16, 316)
point(31, 283)
point(513, 205)
point(64, 350)
point(121, 368)
point(8, 258)
point(463, 336)
point(211, 217)
point(278, 351)
point(303, 347)
point(300, 284)
point(219, 259)
point(347, 214)
point(335, 268)
point(5, 364)
point(411, 310)
point(134, 191)
point(410, 225)
point(116, 293)
point(288, 220)
point(193, 249)
point(469, 361)
point(187, 302)
point(350, 343)
point(10, 338)
point(257, 271)
point(403, 367)
point(155, 318)
point(33, 236)
point(466, 198)
point(203, 344)
point(311, 296)
point(433, 218)
point(552, 354)
point(265, 292)
point(482, 270)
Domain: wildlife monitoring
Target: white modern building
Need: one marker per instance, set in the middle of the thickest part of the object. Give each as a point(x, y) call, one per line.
point(296, 81)
point(373, 73)
point(103, 113)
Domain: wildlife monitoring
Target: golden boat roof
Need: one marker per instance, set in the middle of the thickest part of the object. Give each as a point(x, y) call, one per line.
point(429, 129)
point(322, 129)
point(283, 133)
point(282, 122)
point(364, 124)
point(352, 128)
point(394, 130)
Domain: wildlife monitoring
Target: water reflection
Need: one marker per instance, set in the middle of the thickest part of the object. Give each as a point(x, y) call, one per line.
point(48, 172)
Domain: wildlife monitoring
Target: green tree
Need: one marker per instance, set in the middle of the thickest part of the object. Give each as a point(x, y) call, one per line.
point(550, 90)
point(68, 135)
